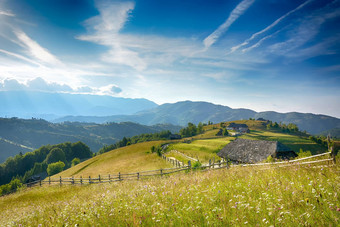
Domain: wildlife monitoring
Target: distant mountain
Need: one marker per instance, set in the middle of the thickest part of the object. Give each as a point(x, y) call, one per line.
point(28, 104)
point(181, 113)
point(20, 135)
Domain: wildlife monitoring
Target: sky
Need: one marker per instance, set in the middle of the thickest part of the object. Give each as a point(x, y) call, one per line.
point(265, 55)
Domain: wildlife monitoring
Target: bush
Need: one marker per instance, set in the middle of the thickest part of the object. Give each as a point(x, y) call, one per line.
point(55, 168)
point(75, 161)
point(303, 154)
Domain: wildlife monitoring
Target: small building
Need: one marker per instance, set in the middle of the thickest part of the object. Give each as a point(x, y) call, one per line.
point(253, 151)
point(242, 128)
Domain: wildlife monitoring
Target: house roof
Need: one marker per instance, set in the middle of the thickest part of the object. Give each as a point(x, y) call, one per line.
point(252, 151)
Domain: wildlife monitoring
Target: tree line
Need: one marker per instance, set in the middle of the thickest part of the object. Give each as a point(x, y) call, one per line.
point(18, 169)
point(282, 127)
point(163, 135)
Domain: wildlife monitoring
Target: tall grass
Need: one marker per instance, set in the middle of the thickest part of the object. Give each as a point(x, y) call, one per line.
point(295, 196)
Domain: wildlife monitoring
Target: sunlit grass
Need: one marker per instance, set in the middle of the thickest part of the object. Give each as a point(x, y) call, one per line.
point(132, 158)
point(203, 150)
point(292, 141)
point(295, 196)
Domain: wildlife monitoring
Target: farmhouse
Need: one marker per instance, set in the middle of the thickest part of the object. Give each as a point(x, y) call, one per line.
point(243, 128)
point(252, 151)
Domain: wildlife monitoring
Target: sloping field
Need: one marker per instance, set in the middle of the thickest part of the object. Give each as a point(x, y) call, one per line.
point(294, 196)
point(292, 141)
point(203, 150)
point(132, 158)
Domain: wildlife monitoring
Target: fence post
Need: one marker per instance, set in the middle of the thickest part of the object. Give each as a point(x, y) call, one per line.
point(209, 163)
point(72, 179)
point(219, 163)
point(119, 177)
point(137, 176)
point(109, 178)
point(89, 179)
point(189, 164)
point(40, 183)
point(99, 178)
point(60, 180)
point(161, 172)
point(81, 179)
point(214, 162)
point(49, 180)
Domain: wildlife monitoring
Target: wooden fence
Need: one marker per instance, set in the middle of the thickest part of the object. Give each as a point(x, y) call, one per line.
point(162, 172)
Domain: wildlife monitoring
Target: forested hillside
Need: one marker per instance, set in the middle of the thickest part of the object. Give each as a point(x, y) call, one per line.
point(17, 134)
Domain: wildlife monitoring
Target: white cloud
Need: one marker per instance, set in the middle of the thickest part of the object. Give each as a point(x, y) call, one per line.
point(39, 84)
point(11, 84)
point(104, 30)
point(234, 15)
point(34, 50)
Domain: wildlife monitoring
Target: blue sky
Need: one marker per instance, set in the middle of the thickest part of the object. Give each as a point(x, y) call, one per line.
point(258, 54)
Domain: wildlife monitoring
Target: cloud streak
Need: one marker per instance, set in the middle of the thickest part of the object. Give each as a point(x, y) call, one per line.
point(35, 50)
point(234, 15)
point(276, 22)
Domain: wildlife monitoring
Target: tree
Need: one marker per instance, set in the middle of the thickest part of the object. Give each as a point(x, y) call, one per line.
point(55, 155)
point(225, 132)
point(80, 150)
point(200, 128)
point(55, 168)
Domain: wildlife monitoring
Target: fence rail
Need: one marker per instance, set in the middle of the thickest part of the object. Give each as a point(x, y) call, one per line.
point(160, 172)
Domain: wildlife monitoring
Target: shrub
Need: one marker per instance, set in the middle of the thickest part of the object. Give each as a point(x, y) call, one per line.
point(75, 161)
point(55, 168)
point(303, 154)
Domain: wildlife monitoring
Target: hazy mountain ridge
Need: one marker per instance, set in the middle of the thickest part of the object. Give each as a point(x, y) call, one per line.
point(28, 104)
point(181, 113)
point(35, 133)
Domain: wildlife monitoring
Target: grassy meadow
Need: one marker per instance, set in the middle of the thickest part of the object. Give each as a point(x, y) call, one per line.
point(132, 158)
point(203, 149)
point(248, 196)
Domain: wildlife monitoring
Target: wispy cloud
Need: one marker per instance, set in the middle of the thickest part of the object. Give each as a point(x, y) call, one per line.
point(234, 15)
point(18, 56)
point(104, 30)
point(7, 13)
point(307, 28)
point(276, 22)
point(35, 50)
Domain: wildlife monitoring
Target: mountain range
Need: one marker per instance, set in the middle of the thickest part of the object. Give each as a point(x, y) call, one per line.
point(181, 113)
point(28, 104)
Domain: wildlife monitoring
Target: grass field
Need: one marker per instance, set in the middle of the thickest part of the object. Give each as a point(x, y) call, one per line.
point(293, 141)
point(203, 150)
point(295, 196)
point(133, 158)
